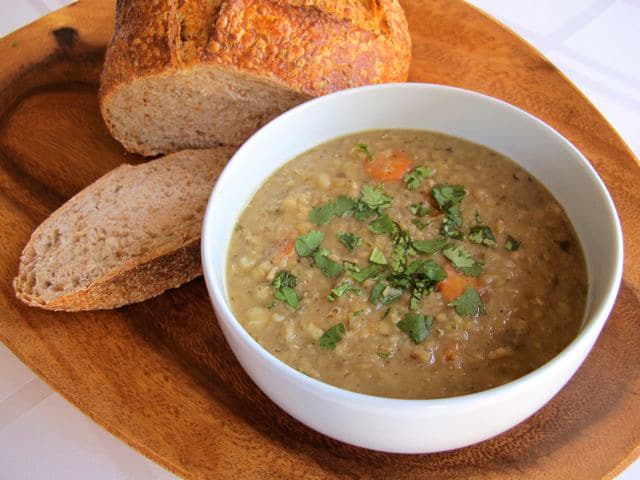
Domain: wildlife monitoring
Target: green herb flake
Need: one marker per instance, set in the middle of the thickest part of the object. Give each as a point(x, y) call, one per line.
point(329, 267)
point(332, 336)
point(416, 326)
point(463, 261)
point(399, 258)
point(373, 196)
point(384, 225)
point(420, 209)
point(446, 196)
point(482, 235)
point(378, 257)
point(363, 147)
point(390, 294)
point(430, 246)
point(478, 218)
point(428, 268)
point(512, 244)
point(344, 206)
point(284, 284)
point(469, 304)
point(341, 290)
point(420, 225)
point(349, 240)
point(309, 243)
point(350, 266)
point(386, 356)
point(376, 292)
point(415, 177)
point(357, 313)
point(322, 215)
point(364, 274)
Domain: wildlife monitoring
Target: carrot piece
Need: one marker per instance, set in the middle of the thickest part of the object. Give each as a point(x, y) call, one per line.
point(388, 165)
point(454, 285)
point(284, 249)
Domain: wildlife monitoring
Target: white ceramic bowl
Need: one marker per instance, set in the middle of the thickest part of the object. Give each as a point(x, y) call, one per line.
point(416, 426)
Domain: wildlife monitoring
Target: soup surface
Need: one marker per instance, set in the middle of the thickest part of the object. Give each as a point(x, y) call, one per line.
point(407, 264)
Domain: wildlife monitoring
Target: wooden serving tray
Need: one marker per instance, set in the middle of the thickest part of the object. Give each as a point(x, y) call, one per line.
point(159, 374)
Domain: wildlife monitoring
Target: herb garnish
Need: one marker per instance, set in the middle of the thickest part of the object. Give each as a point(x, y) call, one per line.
point(482, 235)
point(420, 209)
point(309, 243)
point(378, 257)
point(284, 284)
point(332, 336)
point(349, 240)
point(386, 356)
point(374, 197)
point(449, 198)
point(364, 274)
point(341, 290)
point(322, 215)
point(328, 266)
point(415, 177)
point(416, 326)
point(384, 293)
point(363, 147)
point(420, 225)
point(468, 304)
point(512, 244)
point(344, 206)
point(384, 225)
point(430, 246)
point(463, 261)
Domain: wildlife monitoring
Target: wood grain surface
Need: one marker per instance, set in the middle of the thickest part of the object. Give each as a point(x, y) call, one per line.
point(159, 374)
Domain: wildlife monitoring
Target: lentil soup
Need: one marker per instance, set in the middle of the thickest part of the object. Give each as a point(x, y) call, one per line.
point(407, 264)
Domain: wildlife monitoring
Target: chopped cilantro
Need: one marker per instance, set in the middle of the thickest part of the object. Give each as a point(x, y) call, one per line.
point(447, 196)
point(452, 222)
point(378, 257)
point(374, 197)
point(416, 326)
point(284, 284)
point(344, 206)
point(430, 246)
point(386, 356)
point(512, 244)
point(341, 290)
point(365, 273)
point(332, 336)
point(322, 215)
point(419, 224)
point(349, 240)
point(309, 243)
point(478, 218)
point(272, 305)
point(482, 235)
point(415, 177)
point(428, 268)
point(363, 147)
point(376, 292)
point(398, 258)
point(357, 313)
point(383, 225)
point(419, 209)
point(469, 304)
point(384, 294)
point(463, 261)
point(350, 266)
point(329, 267)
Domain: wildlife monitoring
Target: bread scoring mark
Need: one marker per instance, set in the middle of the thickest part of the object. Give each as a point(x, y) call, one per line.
point(65, 38)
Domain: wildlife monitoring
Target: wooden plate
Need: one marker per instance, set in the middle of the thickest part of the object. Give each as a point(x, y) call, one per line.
point(160, 376)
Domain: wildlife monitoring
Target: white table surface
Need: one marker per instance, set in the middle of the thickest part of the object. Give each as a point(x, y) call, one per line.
point(596, 43)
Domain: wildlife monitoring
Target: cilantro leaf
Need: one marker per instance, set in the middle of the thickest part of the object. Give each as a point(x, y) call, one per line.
point(332, 336)
point(363, 147)
point(419, 225)
point(386, 356)
point(415, 177)
point(416, 326)
point(344, 206)
point(428, 268)
point(512, 244)
point(463, 261)
point(478, 218)
point(349, 240)
point(376, 291)
point(365, 273)
point(378, 257)
point(384, 225)
point(309, 243)
point(374, 197)
point(419, 209)
point(384, 294)
point(329, 267)
point(341, 290)
point(284, 279)
point(322, 215)
point(350, 266)
point(430, 246)
point(284, 284)
point(482, 235)
point(446, 196)
point(468, 304)
point(398, 258)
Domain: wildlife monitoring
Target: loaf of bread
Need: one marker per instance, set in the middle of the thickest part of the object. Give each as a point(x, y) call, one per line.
point(198, 73)
point(128, 237)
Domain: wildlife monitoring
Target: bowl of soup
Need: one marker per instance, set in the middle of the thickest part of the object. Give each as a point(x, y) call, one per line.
point(409, 267)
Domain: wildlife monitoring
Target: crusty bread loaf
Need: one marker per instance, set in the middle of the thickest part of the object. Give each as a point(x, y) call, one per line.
point(198, 73)
point(128, 237)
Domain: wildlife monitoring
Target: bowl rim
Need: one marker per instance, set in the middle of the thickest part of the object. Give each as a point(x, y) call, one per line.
point(595, 321)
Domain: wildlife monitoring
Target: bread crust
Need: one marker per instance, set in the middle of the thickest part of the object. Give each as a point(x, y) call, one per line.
point(311, 47)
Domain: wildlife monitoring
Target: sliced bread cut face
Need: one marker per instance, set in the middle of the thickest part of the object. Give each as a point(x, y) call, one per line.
point(183, 74)
point(127, 237)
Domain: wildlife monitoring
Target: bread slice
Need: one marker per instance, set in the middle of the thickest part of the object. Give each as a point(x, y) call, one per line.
point(193, 74)
point(129, 236)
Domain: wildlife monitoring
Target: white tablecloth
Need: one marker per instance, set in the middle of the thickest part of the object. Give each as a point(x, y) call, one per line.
point(596, 43)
